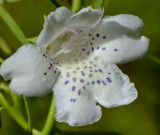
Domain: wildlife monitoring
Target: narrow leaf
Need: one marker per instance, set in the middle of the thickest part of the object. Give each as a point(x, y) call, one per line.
point(4, 46)
point(12, 25)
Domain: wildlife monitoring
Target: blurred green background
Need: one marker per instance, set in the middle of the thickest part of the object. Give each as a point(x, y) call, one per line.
point(142, 117)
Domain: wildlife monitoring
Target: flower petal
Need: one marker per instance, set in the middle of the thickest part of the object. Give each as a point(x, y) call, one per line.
point(75, 111)
point(82, 84)
point(53, 26)
point(130, 22)
point(74, 100)
point(121, 50)
point(28, 71)
point(63, 19)
point(87, 17)
point(117, 39)
point(116, 88)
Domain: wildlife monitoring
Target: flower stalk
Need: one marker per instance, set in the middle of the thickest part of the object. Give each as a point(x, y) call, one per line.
point(50, 119)
point(76, 5)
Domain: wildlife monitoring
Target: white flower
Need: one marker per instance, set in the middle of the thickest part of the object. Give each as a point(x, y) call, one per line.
point(75, 55)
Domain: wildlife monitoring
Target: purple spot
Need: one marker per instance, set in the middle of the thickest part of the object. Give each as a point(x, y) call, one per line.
point(100, 71)
point(81, 80)
point(98, 47)
point(73, 88)
point(93, 82)
point(73, 100)
point(68, 75)
point(79, 92)
point(98, 81)
point(44, 55)
point(88, 53)
point(74, 79)
point(104, 83)
point(66, 82)
point(82, 72)
point(109, 80)
point(83, 49)
point(104, 37)
point(90, 35)
point(97, 35)
point(92, 49)
point(115, 50)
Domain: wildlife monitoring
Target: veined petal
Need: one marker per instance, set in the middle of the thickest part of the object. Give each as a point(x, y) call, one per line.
point(81, 85)
point(28, 71)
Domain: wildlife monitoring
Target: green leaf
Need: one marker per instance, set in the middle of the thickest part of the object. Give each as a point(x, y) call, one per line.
point(154, 59)
point(1, 108)
point(4, 46)
point(12, 25)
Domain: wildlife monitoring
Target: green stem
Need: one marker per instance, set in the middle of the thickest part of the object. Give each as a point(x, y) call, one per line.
point(50, 119)
point(28, 114)
point(12, 25)
point(76, 5)
point(19, 34)
point(97, 4)
point(1, 60)
point(17, 116)
point(154, 59)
